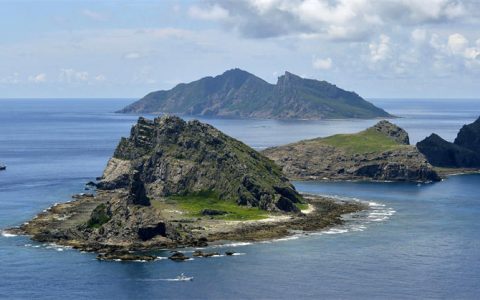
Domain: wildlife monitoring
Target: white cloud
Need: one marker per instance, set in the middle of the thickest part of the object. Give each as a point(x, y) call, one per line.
point(72, 76)
point(100, 77)
point(212, 13)
point(39, 78)
point(94, 15)
point(10, 79)
point(334, 19)
point(380, 50)
point(419, 35)
point(457, 43)
point(322, 64)
point(132, 55)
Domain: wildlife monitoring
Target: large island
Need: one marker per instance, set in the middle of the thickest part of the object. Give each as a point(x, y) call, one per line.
point(174, 184)
point(239, 94)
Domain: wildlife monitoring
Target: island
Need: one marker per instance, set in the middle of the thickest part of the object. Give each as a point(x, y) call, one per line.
point(239, 94)
point(463, 155)
point(174, 184)
point(381, 153)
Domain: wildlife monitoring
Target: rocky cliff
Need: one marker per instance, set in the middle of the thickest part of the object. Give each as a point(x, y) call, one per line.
point(168, 156)
point(464, 152)
point(378, 153)
point(237, 93)
point(175, 183)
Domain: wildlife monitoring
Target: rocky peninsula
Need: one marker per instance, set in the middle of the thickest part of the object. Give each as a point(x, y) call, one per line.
point(176, 184)
point(463, 154)
point(240, 94)
point(381, 153)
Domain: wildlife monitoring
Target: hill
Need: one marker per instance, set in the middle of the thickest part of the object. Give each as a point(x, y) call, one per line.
point(381, 152)
point(239, 94)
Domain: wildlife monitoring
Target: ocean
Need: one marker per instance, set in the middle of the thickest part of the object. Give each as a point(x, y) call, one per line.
point(418, 241)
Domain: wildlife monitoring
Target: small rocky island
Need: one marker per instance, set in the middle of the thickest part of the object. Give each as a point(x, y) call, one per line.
point(240, 94)
point(464, 152)
point(175, 184)
point(381, 152)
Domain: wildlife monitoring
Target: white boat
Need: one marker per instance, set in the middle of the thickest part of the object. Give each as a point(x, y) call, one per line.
point(182, 277)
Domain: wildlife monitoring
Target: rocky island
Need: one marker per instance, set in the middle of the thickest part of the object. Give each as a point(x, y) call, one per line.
point(381, 152)
point(175, 184)
point(239, 94)
point(463, 153)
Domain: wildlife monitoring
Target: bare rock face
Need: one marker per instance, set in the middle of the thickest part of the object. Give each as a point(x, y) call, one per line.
point(168, 156)
point(393, 131)
point(463, 153)
point(319, 159)
point(469, 136)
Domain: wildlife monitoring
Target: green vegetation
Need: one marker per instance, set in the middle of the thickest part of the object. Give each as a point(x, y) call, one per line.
point(194, 203)
point(367, 141)
point(301, 206)
point(99, 217)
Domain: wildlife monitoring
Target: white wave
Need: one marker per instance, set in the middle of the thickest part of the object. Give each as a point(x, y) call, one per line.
point(235, 244)
point(335, 231)
point(161, 258)
point(237, 254)
point(7, 234)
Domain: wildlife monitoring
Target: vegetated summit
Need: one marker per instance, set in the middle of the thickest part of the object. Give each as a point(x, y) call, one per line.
point(239, 94)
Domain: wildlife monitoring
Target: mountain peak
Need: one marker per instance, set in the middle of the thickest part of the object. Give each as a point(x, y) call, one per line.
point(393, 131)
point(240, 94)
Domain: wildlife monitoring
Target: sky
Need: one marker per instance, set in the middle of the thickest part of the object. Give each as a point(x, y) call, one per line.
point(125, 49)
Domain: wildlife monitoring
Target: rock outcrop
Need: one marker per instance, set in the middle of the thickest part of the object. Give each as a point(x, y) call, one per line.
point(464, 152)
point(237, 93)
point(168, 156)
point(378, 153)
point(174, 183)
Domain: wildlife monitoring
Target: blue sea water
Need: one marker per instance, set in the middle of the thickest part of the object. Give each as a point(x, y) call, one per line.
point(417, 242)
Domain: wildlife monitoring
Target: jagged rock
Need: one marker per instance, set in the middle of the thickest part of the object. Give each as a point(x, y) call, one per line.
point(178, 256)
point(169, 156)
point(442, 153)
point(125, 256)
point(237, 93)
point(393, 131)
point(469, 137)
point(378, 153)
point(229, 253)
point(148, 232)
point(2, 167)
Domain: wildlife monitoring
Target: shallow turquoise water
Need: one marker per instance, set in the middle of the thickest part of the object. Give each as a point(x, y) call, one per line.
point(420, 242)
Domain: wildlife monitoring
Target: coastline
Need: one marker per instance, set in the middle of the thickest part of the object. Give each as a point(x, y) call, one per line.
point(321, 213)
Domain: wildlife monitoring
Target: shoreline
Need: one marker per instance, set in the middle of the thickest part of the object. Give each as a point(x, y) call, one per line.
point(322, 212)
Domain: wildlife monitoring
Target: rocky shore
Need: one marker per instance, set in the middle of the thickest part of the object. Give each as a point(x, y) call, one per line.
point(379, 153)
point(65, 224)
point(175, 184)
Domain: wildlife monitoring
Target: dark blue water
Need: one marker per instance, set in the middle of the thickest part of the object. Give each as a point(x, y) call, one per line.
point(420, 242)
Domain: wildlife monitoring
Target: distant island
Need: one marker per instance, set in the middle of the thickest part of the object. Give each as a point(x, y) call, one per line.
point(464, 152)
point(173, 184)
point(380, 153)
point(239, 94)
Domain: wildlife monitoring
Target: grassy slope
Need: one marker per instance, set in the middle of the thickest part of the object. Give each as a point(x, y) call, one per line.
point(193, 204)
point(367, 141)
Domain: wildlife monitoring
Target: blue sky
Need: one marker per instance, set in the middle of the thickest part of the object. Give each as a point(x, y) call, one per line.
point(378, 48)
